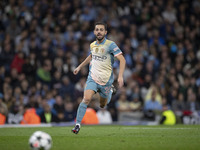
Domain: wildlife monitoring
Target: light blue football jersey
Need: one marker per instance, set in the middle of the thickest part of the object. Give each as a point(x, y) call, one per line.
point(101, 65)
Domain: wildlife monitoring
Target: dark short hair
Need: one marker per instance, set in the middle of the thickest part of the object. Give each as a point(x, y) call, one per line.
point(101, 23)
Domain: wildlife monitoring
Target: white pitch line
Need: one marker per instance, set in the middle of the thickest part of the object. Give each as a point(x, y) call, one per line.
point(149, 128)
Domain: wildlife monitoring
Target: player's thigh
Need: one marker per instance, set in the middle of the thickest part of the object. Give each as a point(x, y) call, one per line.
point(90, 90)
point(104, 94)
point(104, 91)
point(88, 95)
point(91, 85)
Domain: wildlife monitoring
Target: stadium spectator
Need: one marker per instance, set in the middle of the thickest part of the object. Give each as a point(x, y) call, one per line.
point(56, 80)
point(70, 113)
point(3, 110)
point(192, 104)
point(6, 55)
point(67, 88)
point(153, 89)
point(168, 117)
point(90, 117)
point(58, 105)
point(152, 103)
point(30, 117)
point(15, 116)
point(178, 105)
point(122, 104)
point(47, 116)
point(79, 88)
point(104, 116)
point(24, 87)
point(3, 106)
point(2, 119)
point(13, 78)
point(50, 99)
point(43, 73)
point(18, 61)
point(29, 67)
point(135, 104)
point(39, 89)
point(32, 102)
point(7, 96)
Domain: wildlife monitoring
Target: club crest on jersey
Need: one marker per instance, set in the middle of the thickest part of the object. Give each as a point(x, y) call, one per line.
point(102, 50)
point(96, 50)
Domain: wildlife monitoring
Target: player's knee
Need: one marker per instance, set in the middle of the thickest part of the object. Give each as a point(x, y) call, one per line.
point(102, 104)
point(86, 101)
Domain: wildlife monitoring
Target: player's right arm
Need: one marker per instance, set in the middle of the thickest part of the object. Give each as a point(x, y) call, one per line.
point(85, 62)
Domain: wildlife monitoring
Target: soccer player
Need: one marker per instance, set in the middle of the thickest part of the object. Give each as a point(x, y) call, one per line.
point(100, 77)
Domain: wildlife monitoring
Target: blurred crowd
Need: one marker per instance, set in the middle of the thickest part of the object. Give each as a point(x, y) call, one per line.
point(41, 43)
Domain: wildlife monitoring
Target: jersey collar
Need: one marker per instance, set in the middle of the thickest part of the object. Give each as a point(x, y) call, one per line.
point(101, 42)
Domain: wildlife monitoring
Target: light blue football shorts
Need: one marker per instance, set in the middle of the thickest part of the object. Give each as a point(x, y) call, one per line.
point(103, 90)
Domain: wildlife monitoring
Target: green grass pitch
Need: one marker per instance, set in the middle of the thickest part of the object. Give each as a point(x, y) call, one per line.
point(111, 137)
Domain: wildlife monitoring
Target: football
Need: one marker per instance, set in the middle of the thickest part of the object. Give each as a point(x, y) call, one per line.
point(40, 140)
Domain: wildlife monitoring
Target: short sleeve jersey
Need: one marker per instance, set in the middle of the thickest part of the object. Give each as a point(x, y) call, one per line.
point(101, 65)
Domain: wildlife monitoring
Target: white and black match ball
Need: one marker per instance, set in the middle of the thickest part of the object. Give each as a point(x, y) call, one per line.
point(40, 140)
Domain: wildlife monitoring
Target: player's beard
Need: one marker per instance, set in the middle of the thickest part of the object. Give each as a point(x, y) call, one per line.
point(101, 38)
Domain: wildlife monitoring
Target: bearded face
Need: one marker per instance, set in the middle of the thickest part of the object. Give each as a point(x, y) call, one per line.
point(100, 32)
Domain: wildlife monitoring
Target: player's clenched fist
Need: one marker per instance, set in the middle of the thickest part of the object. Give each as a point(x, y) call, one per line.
point(76, 70)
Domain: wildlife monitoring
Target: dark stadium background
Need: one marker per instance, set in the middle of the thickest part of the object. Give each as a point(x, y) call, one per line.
point(41, 42)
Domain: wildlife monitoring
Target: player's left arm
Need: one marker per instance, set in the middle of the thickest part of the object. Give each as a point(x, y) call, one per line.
point(121, 69)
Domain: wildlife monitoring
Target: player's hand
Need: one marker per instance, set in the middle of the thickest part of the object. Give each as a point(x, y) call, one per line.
point(76, 71)
point(120, 82)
